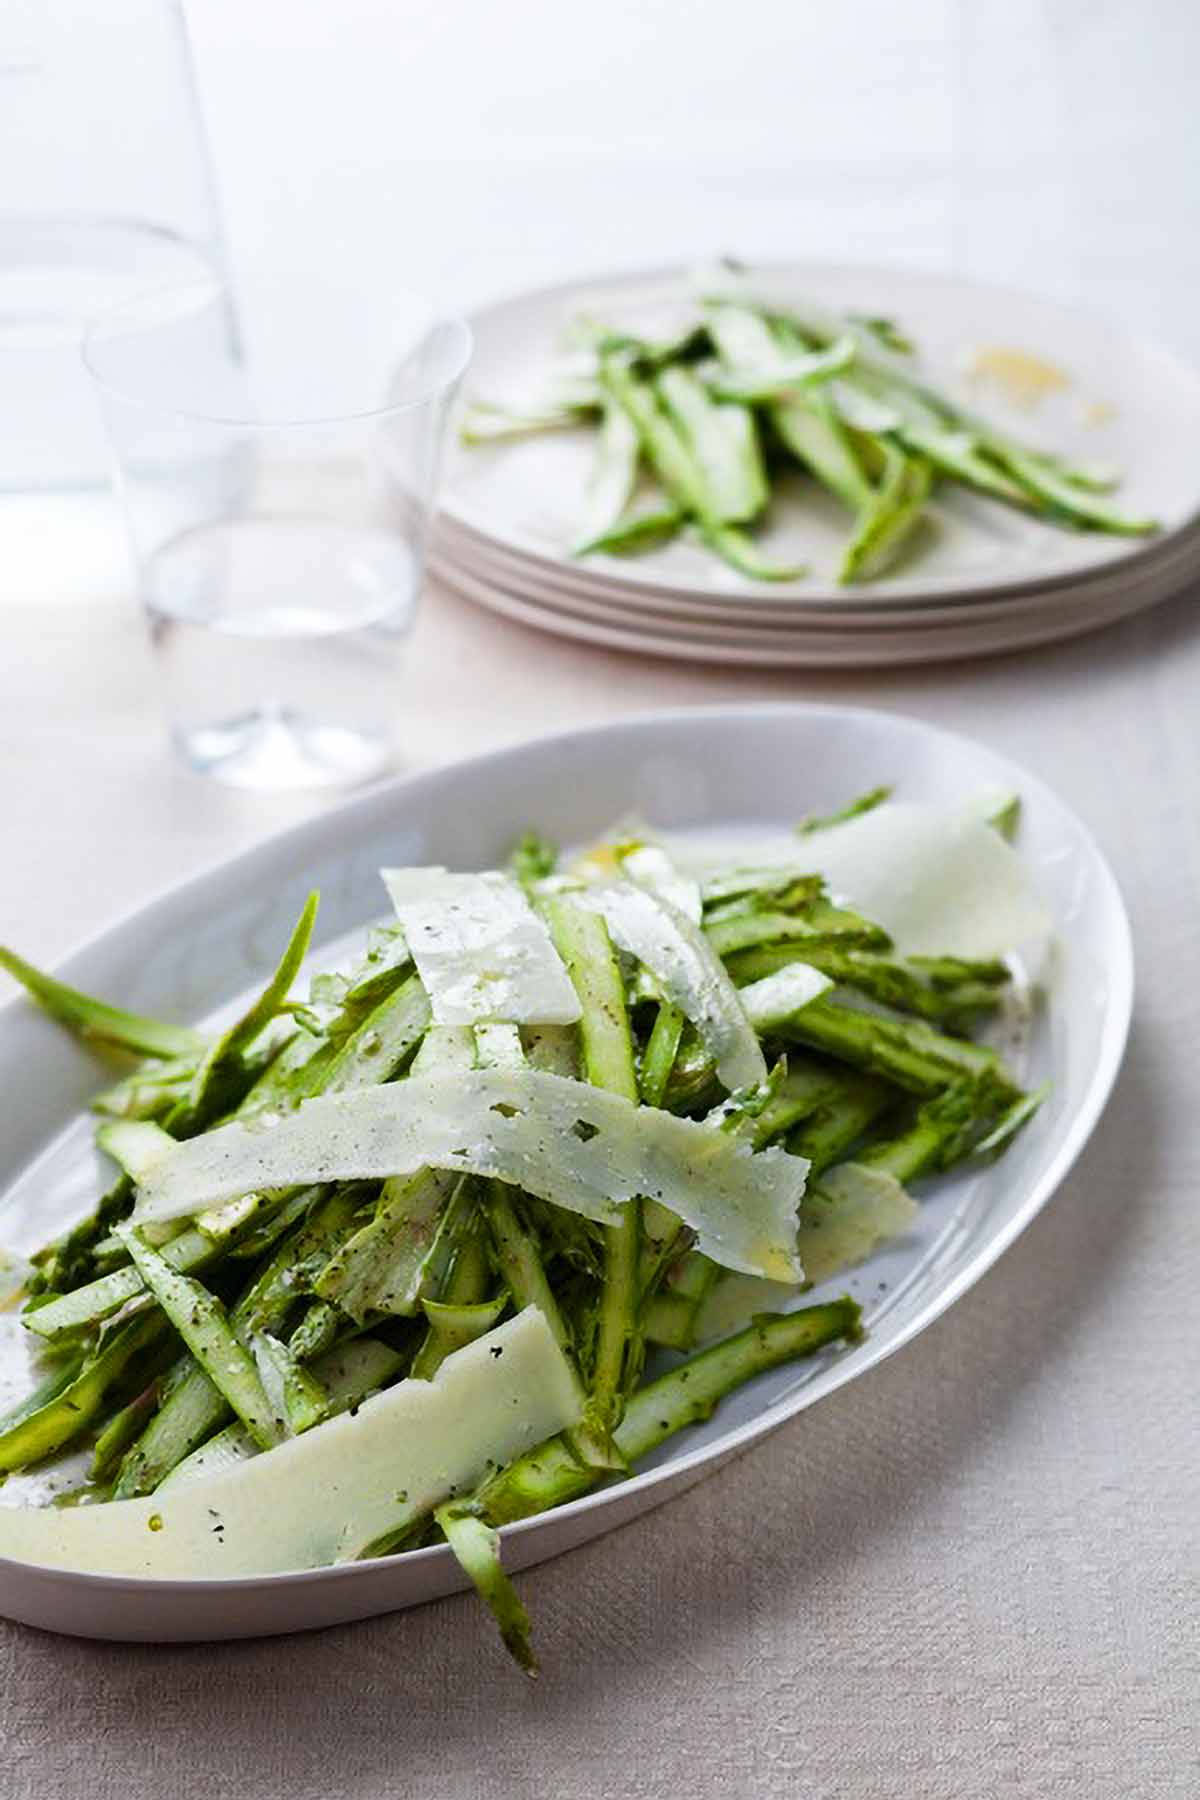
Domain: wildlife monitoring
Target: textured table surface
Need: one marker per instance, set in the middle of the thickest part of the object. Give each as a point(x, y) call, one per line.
point(973, 1573)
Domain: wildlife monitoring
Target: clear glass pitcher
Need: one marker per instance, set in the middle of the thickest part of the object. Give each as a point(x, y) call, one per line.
point(105, 192)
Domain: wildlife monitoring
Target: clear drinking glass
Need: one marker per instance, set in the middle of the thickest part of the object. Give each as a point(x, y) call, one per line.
point(278, 495)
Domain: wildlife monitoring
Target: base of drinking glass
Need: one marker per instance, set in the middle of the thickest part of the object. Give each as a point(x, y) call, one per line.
point(279, 749)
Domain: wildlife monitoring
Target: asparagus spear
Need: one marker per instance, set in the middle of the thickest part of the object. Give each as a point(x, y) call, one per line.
point(218, 1080)
point(805, 421)
point(635, 532)
point(200, 1320)
point(194, 1405)
point(686, 1395)
point(889, 520)
point(486, 424)
point(582, 940)
point(109, 1027)
point(668, 451)
point(722, 438)
point(613, 474)
point(658, 1058)
point(67, 1404)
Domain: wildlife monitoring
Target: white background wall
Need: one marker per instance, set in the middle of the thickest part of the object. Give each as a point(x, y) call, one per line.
point(473, 147)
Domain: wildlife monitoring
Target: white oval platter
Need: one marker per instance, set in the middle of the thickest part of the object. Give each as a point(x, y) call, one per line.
point(190, 953)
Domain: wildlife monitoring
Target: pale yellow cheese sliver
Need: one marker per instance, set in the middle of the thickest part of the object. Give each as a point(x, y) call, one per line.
point(325, 1496)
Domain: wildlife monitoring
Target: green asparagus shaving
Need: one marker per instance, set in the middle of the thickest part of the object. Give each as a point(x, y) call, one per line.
point(658, 1058)
point(295, 1395)
point(532, 859)
point(67, 1404)
point(722, 438)
point(380, 1268)
point(319, 1328)
point(134, 1145)
point(752, 928)
point(201, 1322)
point(88, 1306)
point(662, 442)
point(458, 1323)
point(887, 523)
point(149, 1092)
point(805, 421)
point(742, 553)
point(686, 1395)
point(635, 532)
point(582, 940)
point(194, 1405)
point(864, 424)
point(671, 1316)
point(885, 331)
point(780, 380)
point(464, 1282)
point(121, 1430)
point(518, 1256)
point(224, 1060)
point(1067, 498)
point(646, 354)
point(670, 453)
point(891, 983)
point(1012, 1120)
point(908, 1052)
point(613, 475)
point(864, 803)
point(97, 1023)
point(484, 424)
point(476, 1545)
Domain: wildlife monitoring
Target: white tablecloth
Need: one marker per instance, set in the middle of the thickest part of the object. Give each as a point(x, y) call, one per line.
point(971, 1574)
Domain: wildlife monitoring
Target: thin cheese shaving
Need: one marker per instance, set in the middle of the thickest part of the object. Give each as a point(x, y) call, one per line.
point(940, 882)
point(325, 1496)
point(651, 867)
point(581, 1147)
point(846, 1216)
point(779, 996)
point(480, 949)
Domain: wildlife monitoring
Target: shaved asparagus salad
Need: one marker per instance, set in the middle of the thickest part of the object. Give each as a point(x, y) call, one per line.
point(690, 429)
point(495, 1211)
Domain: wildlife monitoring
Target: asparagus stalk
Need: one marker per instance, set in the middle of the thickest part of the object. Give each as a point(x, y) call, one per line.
point(658, 1058)
point(835, 1110)
point(476, 1544)
point(465, 1285)
point(613, 475)
point(220, 1075)
point(686, 1395)
point(582, 940)
point(881, 978)
point(108, 1027)
point(635, 532)
point(669, 453)
point(722, 438)
point(888, 522)
point(805, 421)
point(68, 1403)
point(194, 1405)
point(200, 1320)
point(911, 1053)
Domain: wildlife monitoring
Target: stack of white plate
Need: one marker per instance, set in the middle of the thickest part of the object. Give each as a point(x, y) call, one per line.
point(979, 577)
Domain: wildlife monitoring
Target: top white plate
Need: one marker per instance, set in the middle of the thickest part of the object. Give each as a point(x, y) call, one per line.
point(191, 953)
point(526, 496)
